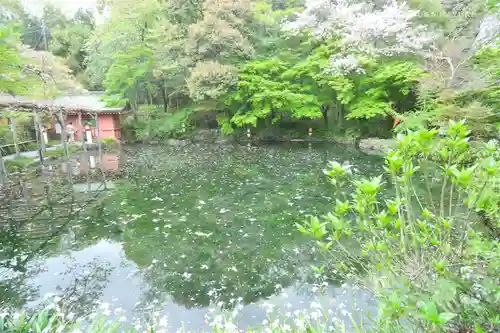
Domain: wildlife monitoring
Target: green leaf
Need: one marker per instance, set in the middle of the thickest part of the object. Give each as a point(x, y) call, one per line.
point(445, 317)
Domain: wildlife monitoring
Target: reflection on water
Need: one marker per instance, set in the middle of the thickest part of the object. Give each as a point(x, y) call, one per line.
point(173, 231)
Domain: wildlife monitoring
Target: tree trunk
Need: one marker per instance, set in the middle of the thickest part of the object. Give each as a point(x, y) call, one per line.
point(324, 112)
point(3, 170)
point(14, 135)
point(165, 101)
point(340, 115)
point(39, 136)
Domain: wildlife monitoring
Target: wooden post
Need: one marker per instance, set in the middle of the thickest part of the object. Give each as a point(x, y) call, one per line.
point(39, 136)
point(14, 135)
point(65, 146)
point(82, 132)
point(60, 120)
point(98, 135)
point(63, 134)
point(3, 170)
point(42, 132)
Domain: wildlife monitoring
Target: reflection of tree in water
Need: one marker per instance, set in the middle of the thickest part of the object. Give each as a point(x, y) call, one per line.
point(35, 210)
point(87, 284)
point(15, 290)
point(219, 225)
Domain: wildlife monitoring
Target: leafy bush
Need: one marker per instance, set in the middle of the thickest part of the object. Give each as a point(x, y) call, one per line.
point(160, 125)
point(109, 143)
point(18, 163)
point(59, 152)
point(32, 146)
point(53, 143)
point(425, 253)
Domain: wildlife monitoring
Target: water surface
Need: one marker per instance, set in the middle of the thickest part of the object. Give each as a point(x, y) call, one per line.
point(178, 231)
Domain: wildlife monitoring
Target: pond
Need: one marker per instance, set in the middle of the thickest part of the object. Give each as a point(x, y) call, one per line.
point(175, 232)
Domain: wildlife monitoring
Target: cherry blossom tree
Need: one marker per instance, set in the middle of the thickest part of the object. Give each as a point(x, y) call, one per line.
point(389, 28)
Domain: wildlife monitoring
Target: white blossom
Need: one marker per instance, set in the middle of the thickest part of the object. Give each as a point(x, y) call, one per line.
point(386, 29)
point(344, 64)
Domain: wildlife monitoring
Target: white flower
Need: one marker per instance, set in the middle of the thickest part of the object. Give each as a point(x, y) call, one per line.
point(230, 327)
point(315, 305)
point(163, 322)
point(104, 306)
point(390, 28)
point(300, 323)
point(343, 65)
point(48, 296)
point(122, 319)
point(315, 315)
point(216, 321)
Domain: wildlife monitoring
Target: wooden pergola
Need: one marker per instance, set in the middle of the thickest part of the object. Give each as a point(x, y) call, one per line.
point(57, 108)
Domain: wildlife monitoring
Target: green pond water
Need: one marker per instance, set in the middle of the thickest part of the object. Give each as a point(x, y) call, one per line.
point(178, 232)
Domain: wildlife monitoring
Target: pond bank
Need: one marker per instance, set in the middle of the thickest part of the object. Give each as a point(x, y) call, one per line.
point(372, 146)
point(15, 163)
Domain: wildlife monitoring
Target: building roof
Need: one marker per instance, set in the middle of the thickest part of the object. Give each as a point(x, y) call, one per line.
point(90, 102)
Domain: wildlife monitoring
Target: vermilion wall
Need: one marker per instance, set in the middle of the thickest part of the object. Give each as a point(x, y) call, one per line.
point(107, 127)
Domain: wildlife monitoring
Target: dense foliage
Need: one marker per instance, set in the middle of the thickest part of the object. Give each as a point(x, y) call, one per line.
point(267, 64)
point(356, 65)
point(431, 253)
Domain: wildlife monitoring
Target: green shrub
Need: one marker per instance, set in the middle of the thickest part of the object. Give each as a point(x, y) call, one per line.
point(32, 146)
point(18, 163)
point(109, 143)
point(59, 152)
point(52, 143)
point(159, 125)
point(423, 252)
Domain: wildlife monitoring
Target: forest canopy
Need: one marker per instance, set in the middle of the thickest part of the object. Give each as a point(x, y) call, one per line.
point(353, 65)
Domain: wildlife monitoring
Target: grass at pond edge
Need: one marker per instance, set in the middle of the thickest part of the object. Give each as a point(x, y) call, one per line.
point(50, 320)
point(21, 162)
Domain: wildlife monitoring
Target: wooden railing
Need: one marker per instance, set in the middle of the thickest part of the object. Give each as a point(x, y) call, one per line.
point(5, 149)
